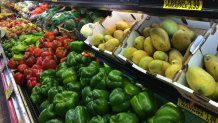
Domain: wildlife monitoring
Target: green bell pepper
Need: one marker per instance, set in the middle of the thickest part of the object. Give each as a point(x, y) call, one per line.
point(55, 121)
point(73, 59)
point(149, 120)
point(44, 105)
point(115, 79)
point(68, 75)
point(23, 37)
point(32, 40)
point(77, 115)
point(98, 102)
point(119, 100)
point(97, 94)
point(70, 79)
point(75, 86)
point(47, 114)
point(60, 72)
point(86, 74)
point(98, 81)
point(20, 47)
point(47, 73)
point(17, 57)
point(132, 89)
point(85, 92)
point(46, 86)
point(68, 72)
point(106, 69)
point(36, 95)
point(100, 119)
point(65, 101)
point(77, 46)
point(144, 104)
point(53, 91)
point(95, 64)
point(62, 65)
point(37, 43)
point(85, 61)
point(98, 106)
point(124, 117)
point(47, 79)
point(170, 113)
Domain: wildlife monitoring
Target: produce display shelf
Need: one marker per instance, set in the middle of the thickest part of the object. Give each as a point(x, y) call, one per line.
point(18, 108)
point(26, 111)
point(155, 7)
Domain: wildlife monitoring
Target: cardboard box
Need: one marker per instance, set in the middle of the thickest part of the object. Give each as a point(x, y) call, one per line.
point(134, 19)
point(202, 29)
point(209, 47)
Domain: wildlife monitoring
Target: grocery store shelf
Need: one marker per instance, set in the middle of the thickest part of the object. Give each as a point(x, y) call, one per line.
point(152, 7)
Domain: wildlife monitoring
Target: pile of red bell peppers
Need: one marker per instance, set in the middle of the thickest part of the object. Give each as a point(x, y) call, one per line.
point(52, 50)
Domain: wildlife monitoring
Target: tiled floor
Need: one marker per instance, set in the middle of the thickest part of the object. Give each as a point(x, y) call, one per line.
point(4, 114)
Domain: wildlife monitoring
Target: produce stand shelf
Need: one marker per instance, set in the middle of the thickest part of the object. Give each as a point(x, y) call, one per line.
point(153, 7)
point(24, 110)
point(162, 91)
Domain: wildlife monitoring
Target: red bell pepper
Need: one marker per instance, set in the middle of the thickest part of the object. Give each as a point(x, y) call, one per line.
point(47, 54)
point(43, 39)
point(65, 43)
point(27, 55)
point(49, 64)
point(49, 36)
point(30, 61)
point(77, 19)
point(62, 59)
point(36, 72)
point(12, 64)
point(62, 38)
point(37, 52)
point(61, 52)
point(86, 54)
point(48, 50)
point(22, 67)
point(19, 78)
point(30, 49)
point(32, 82)
point(36, 66)
point(56, 44)
point(27, 72)
point(47, 44)
point(39, 61)
point(22, 61)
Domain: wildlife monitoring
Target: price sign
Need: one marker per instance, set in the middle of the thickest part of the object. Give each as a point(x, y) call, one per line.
point(9, 91)
point(196, 111)
point(183, 4)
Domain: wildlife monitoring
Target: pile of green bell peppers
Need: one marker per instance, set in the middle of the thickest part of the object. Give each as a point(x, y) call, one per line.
point(95, 93)
point(15, 48)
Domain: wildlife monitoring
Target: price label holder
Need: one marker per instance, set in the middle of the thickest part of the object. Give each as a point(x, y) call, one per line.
point(2, 67)
point(21, 120)
point(9, 91)
point(195, 5)
point(2, 32)
point(197, 111)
